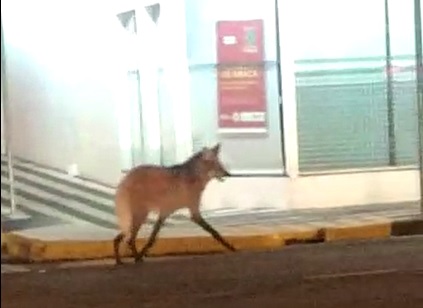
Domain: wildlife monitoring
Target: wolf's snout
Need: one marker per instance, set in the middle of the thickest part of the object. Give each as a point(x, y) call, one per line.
point(224, 175)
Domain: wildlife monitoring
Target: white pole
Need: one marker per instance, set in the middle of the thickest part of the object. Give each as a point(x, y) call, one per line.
point(7, 126)
point(419, 83)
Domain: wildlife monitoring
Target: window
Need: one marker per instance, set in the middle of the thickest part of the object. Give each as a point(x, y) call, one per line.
point(345, 116)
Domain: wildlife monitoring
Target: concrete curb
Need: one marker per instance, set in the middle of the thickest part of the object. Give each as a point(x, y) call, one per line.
point(35, 250)
point(362, 231)
point(3, 242)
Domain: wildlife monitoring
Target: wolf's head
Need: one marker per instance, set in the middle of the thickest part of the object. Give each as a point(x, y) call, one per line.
point(211, 165)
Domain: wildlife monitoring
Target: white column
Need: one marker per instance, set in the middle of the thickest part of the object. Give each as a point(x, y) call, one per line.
point(148, 67)
point(173, 47)
point(122, 93)
point(289, 96)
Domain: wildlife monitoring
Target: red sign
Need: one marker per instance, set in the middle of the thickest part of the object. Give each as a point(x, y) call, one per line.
point(241, 82)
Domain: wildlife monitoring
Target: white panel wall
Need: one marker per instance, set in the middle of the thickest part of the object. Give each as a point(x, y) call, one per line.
point(317, 191)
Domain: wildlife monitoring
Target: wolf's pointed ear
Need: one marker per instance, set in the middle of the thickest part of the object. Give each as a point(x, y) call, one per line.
point(216, 149)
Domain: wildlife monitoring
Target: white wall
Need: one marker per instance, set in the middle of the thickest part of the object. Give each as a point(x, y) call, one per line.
point(317, 191)
point(65, 80)
point(77, 108)
point(3, 141)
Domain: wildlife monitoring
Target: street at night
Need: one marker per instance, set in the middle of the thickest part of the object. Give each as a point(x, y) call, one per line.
point(376, 273)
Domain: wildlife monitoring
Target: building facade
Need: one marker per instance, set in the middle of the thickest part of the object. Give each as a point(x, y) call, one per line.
point(314, 102)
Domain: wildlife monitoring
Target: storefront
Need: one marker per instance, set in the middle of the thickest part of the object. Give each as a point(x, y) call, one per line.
point(288, 87)
point(308, 98)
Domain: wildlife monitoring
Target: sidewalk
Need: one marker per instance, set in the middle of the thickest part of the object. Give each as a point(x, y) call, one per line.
point(63, 218)
point(253, 230)
point(48, 197)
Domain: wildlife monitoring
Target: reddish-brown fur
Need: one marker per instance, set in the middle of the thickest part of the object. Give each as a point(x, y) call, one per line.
point(165, 190)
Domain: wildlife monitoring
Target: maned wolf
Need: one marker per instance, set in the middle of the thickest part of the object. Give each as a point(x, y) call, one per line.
point(165, 190)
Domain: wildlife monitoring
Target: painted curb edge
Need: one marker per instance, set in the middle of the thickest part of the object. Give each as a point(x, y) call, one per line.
point(27, 249)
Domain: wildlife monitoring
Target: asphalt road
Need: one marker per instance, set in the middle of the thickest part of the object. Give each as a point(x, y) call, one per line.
point(387, 273)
